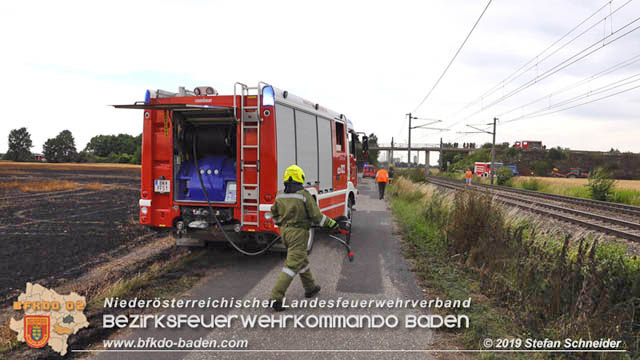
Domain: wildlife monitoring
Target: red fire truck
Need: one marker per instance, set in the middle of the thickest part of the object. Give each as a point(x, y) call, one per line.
point(368, 171)
point(238, 146)
point(528, 144)
point(483, 169)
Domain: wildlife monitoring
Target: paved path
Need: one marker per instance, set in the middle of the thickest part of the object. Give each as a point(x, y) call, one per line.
point(378, 272)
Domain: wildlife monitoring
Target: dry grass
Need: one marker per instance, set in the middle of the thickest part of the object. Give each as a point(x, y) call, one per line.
point(566, 183)
point(6, 165)
point(13, 172)
point(93, 186)
point(40, 186)
point(49, 185)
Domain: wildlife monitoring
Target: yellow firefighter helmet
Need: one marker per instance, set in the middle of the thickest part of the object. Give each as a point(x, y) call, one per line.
point(295, 173)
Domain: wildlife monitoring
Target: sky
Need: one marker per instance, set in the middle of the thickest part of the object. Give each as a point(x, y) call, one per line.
point(65, 62)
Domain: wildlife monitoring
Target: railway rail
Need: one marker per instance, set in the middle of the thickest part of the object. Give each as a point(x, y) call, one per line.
point(542, 203)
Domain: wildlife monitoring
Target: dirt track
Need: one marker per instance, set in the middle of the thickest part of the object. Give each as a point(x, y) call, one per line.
point(52, 235)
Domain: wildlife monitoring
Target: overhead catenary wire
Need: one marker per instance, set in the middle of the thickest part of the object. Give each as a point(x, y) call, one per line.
point(562, 65)
point(618, 66)
point(546, 112)
point(536, 59)
point(454, 57)
point(611, 86)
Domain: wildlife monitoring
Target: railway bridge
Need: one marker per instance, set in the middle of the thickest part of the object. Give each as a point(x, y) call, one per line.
point(427, 148)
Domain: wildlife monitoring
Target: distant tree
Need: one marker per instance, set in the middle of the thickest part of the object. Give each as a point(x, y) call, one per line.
point(20, 145)
point(137, 156)
point(103, 145)
point(86, 157)
point(61, 148)
point(122, 148)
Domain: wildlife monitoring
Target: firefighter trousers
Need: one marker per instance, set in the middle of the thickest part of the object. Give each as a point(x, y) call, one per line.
point(381, 186)
point(295, 239)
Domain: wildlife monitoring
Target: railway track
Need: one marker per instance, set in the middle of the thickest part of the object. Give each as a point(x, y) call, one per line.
point(552, 206)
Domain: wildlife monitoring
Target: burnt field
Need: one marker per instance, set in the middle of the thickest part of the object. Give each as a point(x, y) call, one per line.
point(57, 221)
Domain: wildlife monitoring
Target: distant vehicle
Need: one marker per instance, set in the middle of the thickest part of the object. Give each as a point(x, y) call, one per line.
point(573, 173)
point(528, 144)
point(484, 168)
point(369, 171)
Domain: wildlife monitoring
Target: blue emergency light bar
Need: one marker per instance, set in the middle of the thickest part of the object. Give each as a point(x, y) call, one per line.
point(268, 96)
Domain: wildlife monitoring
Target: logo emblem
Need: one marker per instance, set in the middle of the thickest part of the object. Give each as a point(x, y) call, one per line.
point(36, 330)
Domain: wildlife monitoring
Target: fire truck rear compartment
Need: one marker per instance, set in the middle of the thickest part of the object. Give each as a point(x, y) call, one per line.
point(215, 137)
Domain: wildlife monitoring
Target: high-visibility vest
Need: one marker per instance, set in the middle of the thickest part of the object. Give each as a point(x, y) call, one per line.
point(468, 174)
point(382, 176)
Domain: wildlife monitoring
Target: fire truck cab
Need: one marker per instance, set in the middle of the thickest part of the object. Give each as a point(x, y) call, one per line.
point(240, 145)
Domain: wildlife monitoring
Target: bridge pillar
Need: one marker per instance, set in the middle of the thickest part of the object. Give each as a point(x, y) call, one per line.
point(426, 162)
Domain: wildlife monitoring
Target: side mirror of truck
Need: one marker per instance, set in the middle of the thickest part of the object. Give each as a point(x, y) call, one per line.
point(352, 148)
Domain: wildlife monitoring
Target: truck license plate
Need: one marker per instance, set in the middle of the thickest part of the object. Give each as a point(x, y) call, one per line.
point(161, 186)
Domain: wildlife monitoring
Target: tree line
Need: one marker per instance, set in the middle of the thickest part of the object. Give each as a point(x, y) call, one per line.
point(121, 148)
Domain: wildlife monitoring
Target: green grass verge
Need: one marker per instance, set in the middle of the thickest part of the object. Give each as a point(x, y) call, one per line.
point(427, 250)
point(524, 284)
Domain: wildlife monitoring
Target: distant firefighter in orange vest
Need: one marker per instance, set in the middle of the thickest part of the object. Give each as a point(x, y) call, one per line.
point(382, 178)
point(467, 176)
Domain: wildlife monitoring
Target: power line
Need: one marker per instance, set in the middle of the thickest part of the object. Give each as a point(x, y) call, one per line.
point(513, 76)
point(454, 57)
point(604, 72)
point(562, 65)
point(518, 72)
point(545, 112)
point(603, 89)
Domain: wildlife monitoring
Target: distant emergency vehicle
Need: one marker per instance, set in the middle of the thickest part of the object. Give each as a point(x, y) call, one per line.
point(484, 168)
point(242, 143)
point(369, 171)
point(528, 144)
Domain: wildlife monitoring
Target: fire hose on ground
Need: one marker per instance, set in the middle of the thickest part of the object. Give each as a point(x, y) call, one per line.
point(344, 229)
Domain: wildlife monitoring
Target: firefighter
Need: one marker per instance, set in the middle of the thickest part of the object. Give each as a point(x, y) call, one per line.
point(294, 211)
point(382, 178)
point(468, 175)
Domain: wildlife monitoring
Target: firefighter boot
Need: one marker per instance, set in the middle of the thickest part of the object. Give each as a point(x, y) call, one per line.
point(310, 287)
point(282, 284)
point(277, 306)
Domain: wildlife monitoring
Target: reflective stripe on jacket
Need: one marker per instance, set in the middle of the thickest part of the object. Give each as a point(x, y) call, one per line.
point(382, 176)
point(298, 210)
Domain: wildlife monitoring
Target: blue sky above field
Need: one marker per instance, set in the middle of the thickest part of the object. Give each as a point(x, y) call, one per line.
point(66, 62)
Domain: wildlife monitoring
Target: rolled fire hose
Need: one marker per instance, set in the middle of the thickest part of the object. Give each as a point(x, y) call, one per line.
point(206, 195)
point(350, 254)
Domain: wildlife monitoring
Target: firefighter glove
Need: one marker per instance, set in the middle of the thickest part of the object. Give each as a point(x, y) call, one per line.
point(332, 224)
